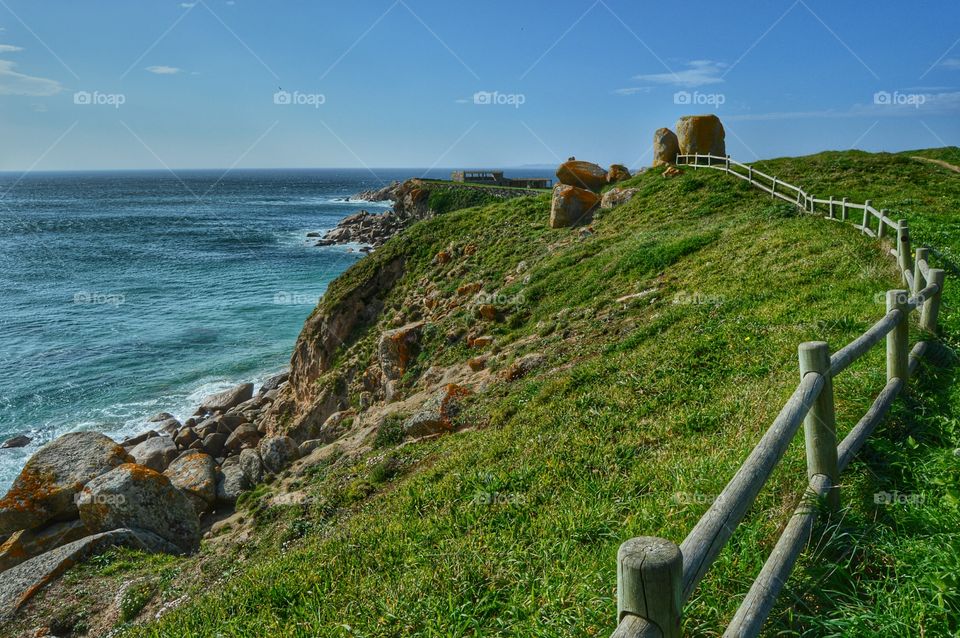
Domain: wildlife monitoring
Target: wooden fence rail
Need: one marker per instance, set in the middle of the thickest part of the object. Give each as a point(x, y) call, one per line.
point(655, 577)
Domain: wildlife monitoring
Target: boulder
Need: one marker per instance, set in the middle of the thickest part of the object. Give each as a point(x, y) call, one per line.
point(21, 440)
point(277, 452)
point(134, 441)
point(20, 583)
point(571, 206)
point(229, 422)
point(582, 175)
point(214, 443)
point(252, 466)
point(160, 417)
point(185, 438)
point(437, 413)
point(524, 365)
point(170, 426)
point(665, 147)
point(195, 474)
point(155, 453)
point(223, 401)
point(274, 382)
point(231, 484)
point(137, 497)
point(701, 134)
point(617, 196)
point(308, 446)
point(46, 486)
point(617, 173)
point(26, 544)
point(397, 349)
point(244, 436)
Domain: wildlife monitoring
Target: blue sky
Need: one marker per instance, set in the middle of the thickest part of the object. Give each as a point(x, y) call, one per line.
point(421, 83)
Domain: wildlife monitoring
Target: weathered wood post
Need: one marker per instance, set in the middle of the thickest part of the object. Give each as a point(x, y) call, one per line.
point(750, 173)
point(831, 207)
point(904, 256)
point(931, 305)
point(696, 160)
point(820, 424)
point(919, 282)
point(728, 163)
point(773, 188)
point(866, 214)
point(843, 209)
point(898, 339)
point(882, 228)
point(649, 578)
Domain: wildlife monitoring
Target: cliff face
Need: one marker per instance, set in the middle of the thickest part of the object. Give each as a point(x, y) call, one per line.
point(352, 304)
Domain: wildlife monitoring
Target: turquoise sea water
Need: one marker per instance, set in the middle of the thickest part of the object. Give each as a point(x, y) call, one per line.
point(124, 294)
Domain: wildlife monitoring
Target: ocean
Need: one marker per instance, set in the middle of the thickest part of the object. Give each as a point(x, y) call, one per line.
point(129, 293)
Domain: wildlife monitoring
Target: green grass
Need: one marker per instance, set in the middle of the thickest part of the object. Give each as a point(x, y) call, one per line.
point(643, 412)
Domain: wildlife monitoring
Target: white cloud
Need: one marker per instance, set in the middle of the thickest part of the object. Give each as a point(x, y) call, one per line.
point(951, 63)
point(14, 83)
point(164, 70)
point(945, 103)
point(9, 48)
point(632, 90)
point(188, 5)
point(697, 73)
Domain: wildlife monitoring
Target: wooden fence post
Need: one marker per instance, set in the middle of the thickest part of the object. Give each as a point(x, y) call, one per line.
point(649, 578)
point(843, 209)
point(831, 207)
point(904, 256)
point(898, 339)
point(866, 215)
point(773, 189)
point(750, 173)
point(919, 282)
point(931, 305)
point(820, 426)
point(882, 228)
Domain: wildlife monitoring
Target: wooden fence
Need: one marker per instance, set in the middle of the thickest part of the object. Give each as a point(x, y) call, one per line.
point(655, 577)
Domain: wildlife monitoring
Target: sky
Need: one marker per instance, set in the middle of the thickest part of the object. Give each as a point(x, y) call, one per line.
point(159, 84)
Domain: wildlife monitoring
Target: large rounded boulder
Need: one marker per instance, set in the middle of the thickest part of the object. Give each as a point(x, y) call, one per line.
point(702, 134)
point(195, 474)
point(45, 489)
point(665, 147)
point(137, 497)
point(277, 452)
point(584, 175)
point(617, 173)
point(571, 206)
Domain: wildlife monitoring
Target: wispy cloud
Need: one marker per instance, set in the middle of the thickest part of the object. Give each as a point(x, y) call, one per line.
point(945, 103)
point(632, 90)
point(9, 48)
point(14, 83)
point(951, 63)
point(697, 73)
point(187, 5)
point(164, 70)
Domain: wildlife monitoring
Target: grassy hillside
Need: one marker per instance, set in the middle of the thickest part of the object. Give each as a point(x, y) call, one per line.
point(669, 335)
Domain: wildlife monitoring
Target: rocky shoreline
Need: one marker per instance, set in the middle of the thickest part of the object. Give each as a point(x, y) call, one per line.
point(156, 491)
